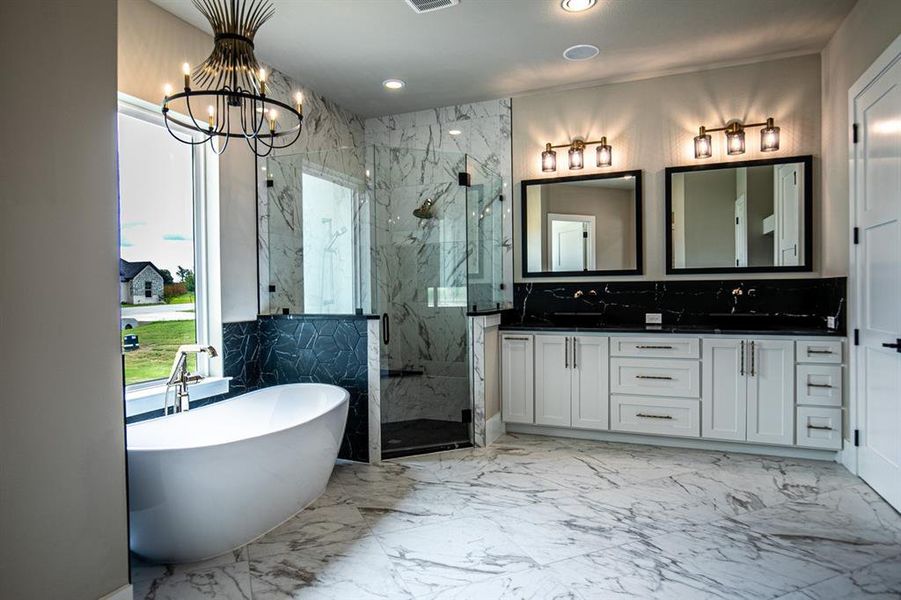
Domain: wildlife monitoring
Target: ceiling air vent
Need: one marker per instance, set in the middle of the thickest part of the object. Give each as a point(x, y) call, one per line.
point(424, 6)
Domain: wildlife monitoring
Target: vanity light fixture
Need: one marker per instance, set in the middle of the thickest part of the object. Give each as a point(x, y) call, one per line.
point(576, 154)
point(548, 159)
point(735, 138)
point(233, 86)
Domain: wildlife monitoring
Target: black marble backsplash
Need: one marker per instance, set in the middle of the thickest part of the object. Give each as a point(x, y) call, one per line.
point(757, 303)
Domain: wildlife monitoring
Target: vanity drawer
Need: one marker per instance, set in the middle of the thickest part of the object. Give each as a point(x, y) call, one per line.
point(819, 427)
point(659, 347)
point(655, 377)
point(820, 385)
point(825, 351)
point(649, 414)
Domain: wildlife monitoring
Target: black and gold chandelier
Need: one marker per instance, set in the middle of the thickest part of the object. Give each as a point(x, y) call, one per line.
point(230, 99)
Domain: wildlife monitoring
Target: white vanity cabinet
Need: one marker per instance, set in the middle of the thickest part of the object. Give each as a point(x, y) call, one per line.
point(571, 381)
point(517, 383)
point(748, 390)
point(758, 390)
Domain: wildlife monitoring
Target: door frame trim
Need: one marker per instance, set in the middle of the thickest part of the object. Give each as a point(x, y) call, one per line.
point(889, 56)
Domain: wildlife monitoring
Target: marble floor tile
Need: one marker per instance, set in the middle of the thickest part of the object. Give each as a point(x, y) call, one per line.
point(877, 581)
point(702, 561)
point(436, 558)
point(352, 570)
point(531, 584)
point(535, 517)
point(229, 582)
point(332, 518)
point(844, 529)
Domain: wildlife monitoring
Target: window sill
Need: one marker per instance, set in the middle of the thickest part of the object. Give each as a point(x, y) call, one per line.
point(144, 400)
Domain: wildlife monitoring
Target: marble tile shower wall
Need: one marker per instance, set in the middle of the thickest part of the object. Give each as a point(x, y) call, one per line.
point(804, 303)
point(485, 134)
point(279, 350)
point(419, 269)
point(333, 139)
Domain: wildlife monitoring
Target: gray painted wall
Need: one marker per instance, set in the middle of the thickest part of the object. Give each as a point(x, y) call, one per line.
point(62, 448)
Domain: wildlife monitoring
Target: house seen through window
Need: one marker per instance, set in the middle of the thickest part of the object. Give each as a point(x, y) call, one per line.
point(157, 250)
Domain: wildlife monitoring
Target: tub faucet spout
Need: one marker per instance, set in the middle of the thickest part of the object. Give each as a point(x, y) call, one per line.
point(180, 377)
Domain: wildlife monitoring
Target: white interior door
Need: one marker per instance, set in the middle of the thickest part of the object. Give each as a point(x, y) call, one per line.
point(787, 201)
point(553, 380)
point(571, 241)
point(877, 181)
point(741, 231)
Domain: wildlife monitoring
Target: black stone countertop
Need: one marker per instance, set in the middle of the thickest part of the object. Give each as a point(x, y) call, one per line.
point(672, 329)
point(302, 317)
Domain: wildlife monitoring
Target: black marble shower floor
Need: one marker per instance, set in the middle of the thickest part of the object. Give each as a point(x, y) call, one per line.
point(418, 436)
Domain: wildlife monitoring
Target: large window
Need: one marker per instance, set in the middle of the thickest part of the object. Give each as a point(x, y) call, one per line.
point(161, 183)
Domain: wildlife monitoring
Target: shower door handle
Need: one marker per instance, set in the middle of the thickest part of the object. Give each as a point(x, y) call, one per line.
point(386, 329)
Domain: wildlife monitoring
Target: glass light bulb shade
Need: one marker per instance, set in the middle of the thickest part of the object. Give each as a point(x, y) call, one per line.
point(703, 146)
point(735, 142)
point(576, 159)
point(548, 161)
point(605, 155)
point(769, 139)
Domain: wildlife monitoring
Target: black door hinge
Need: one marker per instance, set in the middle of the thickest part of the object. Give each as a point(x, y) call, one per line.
point(467, 415)
point(270, 183)
point(857, 437)
point(854, 135)
point(856, 231)
point(464, 179)
point(857, 337)
point(502, 286)
point(500, 198)
point(585, 235)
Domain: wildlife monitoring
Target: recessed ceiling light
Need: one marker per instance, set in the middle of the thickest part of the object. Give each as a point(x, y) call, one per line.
point(577, 5)
point(455, 132)
point(580, 52)
point(393, 84)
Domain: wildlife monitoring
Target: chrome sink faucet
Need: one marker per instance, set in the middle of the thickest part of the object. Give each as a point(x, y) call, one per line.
point(179, 378)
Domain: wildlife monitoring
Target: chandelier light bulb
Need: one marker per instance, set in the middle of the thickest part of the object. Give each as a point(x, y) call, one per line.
point(273, 115)
point(167, 90)
point(298, 100)
point(186, 69)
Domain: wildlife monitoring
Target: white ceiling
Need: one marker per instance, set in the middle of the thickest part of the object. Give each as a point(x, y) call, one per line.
point(486, 49)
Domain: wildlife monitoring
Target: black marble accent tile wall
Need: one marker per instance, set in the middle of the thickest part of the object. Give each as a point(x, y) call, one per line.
point(798, 302)
point(299, 349)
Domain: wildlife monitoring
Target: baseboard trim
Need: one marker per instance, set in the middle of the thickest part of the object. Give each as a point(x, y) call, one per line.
point(651, 440)
point(848, 457)
point(494, 428)
point(126, 592)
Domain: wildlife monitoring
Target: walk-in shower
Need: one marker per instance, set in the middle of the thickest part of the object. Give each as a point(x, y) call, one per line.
point(412, 236)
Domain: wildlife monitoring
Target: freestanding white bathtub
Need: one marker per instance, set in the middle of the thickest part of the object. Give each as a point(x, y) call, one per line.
point(208, 480)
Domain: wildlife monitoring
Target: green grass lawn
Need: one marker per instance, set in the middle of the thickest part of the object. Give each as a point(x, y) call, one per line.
point(159, 342)
point(183, 299)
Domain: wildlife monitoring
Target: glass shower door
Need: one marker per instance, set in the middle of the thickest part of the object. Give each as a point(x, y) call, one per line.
point(486, 209)
point(419, 288)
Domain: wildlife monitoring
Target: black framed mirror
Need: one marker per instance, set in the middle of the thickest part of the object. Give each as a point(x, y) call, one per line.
point(582, 226)
point(753, 216)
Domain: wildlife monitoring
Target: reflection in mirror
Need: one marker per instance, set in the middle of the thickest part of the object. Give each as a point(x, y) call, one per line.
point(739, 216)
point(582, 225)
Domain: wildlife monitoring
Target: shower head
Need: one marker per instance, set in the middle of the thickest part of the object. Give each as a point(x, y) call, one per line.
point(425, 210)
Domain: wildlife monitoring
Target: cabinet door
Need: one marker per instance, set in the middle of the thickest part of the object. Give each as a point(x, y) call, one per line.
point(590, 386)
point(553, 380)
point(724, 389)
point(517, 383)
point(771, 391)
